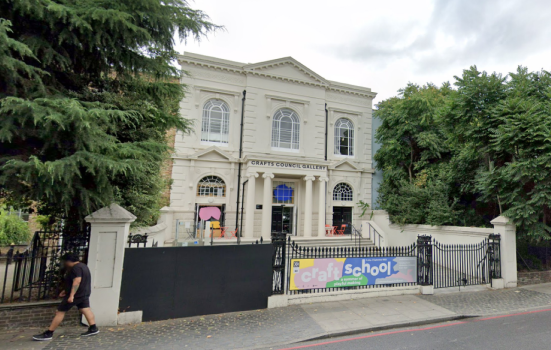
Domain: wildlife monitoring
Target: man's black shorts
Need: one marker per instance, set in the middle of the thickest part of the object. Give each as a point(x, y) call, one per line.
point(81, 303)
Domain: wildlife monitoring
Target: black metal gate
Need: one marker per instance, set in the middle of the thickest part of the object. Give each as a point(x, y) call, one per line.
point(458, 265)
point(279, 241)
point(34, 274)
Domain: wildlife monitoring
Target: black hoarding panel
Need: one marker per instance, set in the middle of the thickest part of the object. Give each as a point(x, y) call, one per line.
point(177, 282)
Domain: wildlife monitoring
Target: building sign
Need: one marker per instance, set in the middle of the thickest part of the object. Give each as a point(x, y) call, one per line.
point(351, 272)
point(287, 165)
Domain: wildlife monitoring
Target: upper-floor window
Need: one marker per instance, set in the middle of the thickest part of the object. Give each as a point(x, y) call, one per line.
point(211, 186)
point(285, 130)
point(215, 126)
point(344, 137)
point(342, 192)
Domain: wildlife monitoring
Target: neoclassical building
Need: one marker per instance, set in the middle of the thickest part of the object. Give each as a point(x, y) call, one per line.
point(302, 144)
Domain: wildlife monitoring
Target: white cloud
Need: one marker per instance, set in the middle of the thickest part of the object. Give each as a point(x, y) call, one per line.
point(383, 44)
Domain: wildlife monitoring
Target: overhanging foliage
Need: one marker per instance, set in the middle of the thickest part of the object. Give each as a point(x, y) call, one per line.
point(464, 155)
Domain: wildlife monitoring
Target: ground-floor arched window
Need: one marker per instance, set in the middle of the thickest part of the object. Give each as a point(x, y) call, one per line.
point(211, 186)
point(343, 192)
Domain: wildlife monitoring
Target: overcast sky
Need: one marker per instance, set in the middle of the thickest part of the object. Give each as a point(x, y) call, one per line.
point(382, 44)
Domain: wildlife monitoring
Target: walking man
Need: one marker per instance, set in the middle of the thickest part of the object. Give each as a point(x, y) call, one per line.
point(76, 292)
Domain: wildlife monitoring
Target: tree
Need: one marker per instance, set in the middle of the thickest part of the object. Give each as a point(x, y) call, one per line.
point(493, 154)
point(519, 150)
point(87, 95)
point(412, 147)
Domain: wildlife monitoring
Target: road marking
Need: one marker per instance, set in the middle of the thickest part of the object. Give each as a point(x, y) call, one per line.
point(414, 330)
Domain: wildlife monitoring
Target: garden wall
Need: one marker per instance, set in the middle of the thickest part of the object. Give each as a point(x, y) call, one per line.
point(533, 277)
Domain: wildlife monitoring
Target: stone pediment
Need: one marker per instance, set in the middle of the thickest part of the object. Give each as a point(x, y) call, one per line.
point(212, 153)
point(286, 67)
point(345, 164)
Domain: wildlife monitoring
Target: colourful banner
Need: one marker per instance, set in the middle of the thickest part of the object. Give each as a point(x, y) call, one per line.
point(351, 272)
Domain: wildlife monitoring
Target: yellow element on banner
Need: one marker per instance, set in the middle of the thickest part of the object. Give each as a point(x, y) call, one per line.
point(304, 263)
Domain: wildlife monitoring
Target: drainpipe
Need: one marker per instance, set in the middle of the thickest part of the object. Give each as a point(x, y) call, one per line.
point(242, 203)
point(326, 133)
point(326, 128)
point(239, 167)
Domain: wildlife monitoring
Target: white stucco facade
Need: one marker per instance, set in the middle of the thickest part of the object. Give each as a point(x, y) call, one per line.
point(289, 136)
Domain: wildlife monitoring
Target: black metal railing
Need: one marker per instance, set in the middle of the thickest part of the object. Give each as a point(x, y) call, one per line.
point(374, 235)
point(440, 265)
point(295, 251)
point(356, 235)
point(35, 274)
point(137, 239)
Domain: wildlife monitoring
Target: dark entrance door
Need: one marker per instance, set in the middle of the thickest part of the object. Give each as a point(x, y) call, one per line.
point(342, 216)
point(282, 219)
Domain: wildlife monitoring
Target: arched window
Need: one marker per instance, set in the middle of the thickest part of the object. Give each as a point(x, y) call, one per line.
point(211, 186)
point(215, 126)
point(285, 130)
point(342, 192)
point(344, 137)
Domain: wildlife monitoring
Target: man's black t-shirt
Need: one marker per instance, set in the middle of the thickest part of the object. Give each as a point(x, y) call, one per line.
point(85, 288)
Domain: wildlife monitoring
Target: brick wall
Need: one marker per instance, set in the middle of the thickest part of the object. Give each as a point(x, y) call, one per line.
point(533, 277)
point(33, 315)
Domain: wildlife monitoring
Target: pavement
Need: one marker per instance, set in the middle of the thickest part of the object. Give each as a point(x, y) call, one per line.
point(509, 332)
point(273, 328)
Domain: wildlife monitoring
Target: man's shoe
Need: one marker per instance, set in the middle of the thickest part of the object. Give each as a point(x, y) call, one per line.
point(91, 331)
point(43, 336)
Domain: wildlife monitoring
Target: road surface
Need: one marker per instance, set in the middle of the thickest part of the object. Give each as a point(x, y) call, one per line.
point(525, 331)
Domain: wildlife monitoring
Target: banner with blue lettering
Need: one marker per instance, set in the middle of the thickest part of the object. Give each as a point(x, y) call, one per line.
point(351, 272)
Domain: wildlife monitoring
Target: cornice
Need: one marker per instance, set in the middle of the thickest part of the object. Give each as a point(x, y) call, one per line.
point(234, 94)
point(191, 157)
point(217, 64)
point(342, 110)
point(211, 65)
point(352, 91)
point(290, 99)
point(334, 166)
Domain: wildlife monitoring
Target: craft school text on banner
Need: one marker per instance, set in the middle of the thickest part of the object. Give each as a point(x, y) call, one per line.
point(351, 272)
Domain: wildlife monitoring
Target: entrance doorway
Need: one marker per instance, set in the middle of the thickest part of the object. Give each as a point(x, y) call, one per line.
point(343, 216)
point(282, 219)
point(201, 225)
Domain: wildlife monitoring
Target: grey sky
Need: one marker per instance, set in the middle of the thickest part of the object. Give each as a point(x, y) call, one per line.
point(383, 44)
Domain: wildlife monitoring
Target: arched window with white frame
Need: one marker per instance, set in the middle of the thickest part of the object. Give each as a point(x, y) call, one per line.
point(344, 137)
point(215, 126)
point(211, 186)
point(343, 192)
point(286, 130)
